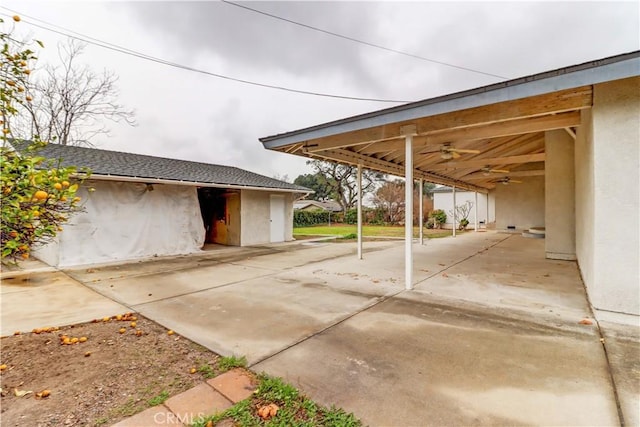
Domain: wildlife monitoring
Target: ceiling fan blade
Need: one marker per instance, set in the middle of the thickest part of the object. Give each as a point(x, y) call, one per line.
point(515, 181)
point(498, 171)
point(463, 150)
point(455, 154)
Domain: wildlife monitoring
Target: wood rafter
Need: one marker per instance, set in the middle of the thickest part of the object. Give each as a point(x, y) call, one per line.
point(350, 157)
point(542, 105)
point(453, 165)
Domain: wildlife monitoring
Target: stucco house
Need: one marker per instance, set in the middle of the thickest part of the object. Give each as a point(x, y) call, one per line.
point(314, 205)
point(443, 199)
point(571, 136)
point(145, 206)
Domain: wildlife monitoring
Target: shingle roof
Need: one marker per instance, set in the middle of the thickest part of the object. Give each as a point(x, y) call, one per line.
point(115, 163)
point(328, 205)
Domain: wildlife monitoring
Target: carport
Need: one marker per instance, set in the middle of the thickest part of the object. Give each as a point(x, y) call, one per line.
point(543, 136)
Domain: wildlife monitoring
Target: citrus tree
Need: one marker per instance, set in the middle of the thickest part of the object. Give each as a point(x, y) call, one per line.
point(38, 196)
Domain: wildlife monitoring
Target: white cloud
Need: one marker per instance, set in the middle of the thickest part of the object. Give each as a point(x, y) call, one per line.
point(196, 117)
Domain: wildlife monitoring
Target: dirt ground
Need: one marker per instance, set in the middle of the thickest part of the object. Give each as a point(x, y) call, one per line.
point(108, 377)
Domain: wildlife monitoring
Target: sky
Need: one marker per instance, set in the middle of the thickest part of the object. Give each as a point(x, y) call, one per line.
point(192, 116)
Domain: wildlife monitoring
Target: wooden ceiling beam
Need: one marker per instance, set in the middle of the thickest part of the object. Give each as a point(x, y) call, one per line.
point(509, 128)
point(557, 102)
point(455, 165)
point(480, 176)
point(350, 157)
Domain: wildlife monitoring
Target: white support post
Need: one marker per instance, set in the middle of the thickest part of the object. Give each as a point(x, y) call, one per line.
point(486, 221)
point(408, 132)
point(454, 212)
point(359, 178)
point(421, 204)
point(476, 212)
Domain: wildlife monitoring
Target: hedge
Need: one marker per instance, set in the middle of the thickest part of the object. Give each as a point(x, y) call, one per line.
point(309, 218)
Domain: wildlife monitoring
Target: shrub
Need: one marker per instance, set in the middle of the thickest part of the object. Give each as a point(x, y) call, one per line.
point(309, 218)
point(439, 217)
point(351, 217)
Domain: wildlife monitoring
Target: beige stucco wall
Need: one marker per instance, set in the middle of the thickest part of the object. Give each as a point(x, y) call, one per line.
point(521, 205)
point(609, 235)
point(255, 214)
point(559, 196)
point(585, 199)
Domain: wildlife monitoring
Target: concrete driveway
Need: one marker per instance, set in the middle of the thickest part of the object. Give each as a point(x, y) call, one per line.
point(489, 336)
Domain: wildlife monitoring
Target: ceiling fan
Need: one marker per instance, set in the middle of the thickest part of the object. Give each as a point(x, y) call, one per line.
point(447, 152)
point(486, 171)
point(507, 181)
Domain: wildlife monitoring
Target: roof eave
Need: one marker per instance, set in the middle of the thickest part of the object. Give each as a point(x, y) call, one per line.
point(100, 177)
point(594, 72)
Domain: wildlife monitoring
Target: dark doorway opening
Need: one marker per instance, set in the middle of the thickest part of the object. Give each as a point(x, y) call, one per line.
point(213, 207)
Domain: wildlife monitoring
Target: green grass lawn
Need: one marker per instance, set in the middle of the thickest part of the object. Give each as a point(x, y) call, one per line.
point(342, 230)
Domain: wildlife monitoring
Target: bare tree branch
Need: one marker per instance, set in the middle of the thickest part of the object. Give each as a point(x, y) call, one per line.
point(70, 102)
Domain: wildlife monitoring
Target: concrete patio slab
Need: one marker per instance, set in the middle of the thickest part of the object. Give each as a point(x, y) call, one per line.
point(405, 362)
point(151, 287)
point(623, 351)
point(49, 299)
point(516, 276)
point(490, 335)
point(254, 318)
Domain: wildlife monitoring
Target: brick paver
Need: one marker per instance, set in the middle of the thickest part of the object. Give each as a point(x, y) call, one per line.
point(156, 416)
point(202, 400)
point(235, 385)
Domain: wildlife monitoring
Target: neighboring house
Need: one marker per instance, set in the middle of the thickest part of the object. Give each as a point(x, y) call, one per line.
point(566, 142)
point(147, 206)
point(314, 205)
point(443, 199)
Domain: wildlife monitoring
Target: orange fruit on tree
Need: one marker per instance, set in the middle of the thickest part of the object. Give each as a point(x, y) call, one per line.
point(25, 255)
point(65, 184)
point(41, 195)
point(57, 186)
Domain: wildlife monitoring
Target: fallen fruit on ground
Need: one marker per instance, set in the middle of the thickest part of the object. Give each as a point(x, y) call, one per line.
point(83, 339)
point(586, 322)
point(268, 411)
point(3, 367)
point(43, 393)
point(170, 332)
point(192, 370)
point(122, 330)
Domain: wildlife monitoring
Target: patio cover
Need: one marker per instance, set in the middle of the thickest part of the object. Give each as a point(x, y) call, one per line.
point(505, 122)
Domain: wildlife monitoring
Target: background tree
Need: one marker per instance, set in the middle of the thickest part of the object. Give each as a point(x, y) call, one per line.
point(317, 183)
point(341, 183)
point(70, 102)
point(389, 198)
point(37, 197)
